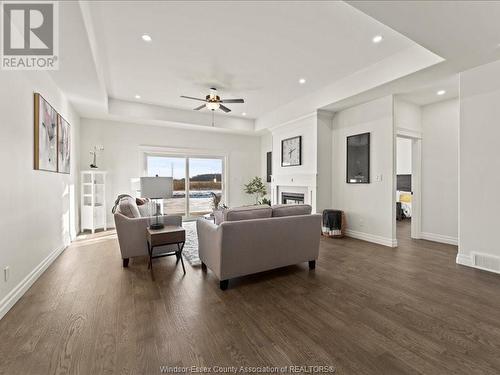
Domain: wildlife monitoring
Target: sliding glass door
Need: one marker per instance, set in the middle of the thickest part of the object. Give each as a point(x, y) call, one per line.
point(205, 176)
point(175, 167)
point(205, 181)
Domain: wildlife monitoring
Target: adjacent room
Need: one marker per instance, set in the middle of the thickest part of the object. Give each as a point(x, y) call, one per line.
point(293, 187)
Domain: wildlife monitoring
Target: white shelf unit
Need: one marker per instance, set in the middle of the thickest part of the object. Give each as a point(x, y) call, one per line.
point(93, 200)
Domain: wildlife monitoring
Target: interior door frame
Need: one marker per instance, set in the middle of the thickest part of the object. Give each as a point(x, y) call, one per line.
point(416, 180)
point(186, 153)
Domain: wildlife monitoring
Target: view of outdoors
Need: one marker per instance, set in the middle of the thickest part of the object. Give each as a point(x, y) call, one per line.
point(205, 178)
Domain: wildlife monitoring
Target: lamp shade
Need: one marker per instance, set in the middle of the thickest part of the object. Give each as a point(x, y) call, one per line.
point(157, 187)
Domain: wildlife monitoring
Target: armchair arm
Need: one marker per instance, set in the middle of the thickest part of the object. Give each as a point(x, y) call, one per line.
point(132, 232)
point(209, 244)
point(131, 235)
point(171, 220)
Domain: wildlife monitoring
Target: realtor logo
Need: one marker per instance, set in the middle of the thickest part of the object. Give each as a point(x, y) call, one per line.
point(30, 35)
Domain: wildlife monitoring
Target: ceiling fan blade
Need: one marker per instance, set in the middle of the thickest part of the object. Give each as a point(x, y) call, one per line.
point(190, 97)
point(200, 107)
point(225, 109)
point(232, 101)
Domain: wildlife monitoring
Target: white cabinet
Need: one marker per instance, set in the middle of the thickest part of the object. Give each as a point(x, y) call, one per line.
point(93, 200)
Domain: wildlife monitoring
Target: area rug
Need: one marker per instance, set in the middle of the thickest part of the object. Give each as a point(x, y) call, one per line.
point(190, 251)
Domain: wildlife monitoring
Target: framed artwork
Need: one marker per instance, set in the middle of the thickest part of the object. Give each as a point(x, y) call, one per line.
point(291, 151)
point(63, 145)
point(45, 152)
point(358, 159)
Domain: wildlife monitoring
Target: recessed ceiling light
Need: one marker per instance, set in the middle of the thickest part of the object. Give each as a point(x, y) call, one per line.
point(244, 114)
point(302, 81)
point(147, 38)
point(441, 92)
point(377, 39)
point(137, 96)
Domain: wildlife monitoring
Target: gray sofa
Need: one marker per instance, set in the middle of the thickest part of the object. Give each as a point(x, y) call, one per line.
point(253, 239)
point(131, 222)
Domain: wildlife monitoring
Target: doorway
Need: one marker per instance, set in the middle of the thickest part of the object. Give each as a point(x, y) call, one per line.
point(407, 194)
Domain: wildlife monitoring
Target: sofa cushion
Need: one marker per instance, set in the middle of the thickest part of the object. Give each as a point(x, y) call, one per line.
point(248, 213)
point(128, 207)
point(280, 210)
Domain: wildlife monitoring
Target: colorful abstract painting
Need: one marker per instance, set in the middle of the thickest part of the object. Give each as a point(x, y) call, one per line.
point(45, 135)
point(63, 146)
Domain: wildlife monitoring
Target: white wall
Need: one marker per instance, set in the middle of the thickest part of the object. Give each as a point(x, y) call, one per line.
point(440, 125)
point(403, 161)
point(122, 159)
point(479, 162)
point(407, 118)
point(324, 161)
point(369, 207)
point(305, 127)
point(39, 208)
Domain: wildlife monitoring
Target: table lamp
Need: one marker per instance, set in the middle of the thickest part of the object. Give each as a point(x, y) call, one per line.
point(156, 188)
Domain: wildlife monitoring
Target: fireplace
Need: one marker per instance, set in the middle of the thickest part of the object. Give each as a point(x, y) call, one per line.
point(292, 198)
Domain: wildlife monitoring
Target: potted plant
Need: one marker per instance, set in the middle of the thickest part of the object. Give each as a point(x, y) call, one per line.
point(265, 201)
point(256, 188)
point(216, 198)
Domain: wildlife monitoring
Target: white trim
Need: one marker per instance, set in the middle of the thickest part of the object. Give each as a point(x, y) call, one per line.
point(416, 187)
point(391, 242)
point(408, 133)
point(468, 260)
point(181, 151)
point(15, 294)
point(464, 260)
point(439, 238)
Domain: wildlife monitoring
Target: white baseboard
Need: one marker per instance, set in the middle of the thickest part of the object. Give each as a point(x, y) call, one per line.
point(470, 261)
point(371, 238)
point(439, 238)
point(464, 260)
point(15, 294)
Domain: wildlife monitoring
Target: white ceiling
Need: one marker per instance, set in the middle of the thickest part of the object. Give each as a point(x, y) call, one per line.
point(253, 49)
point(259, 49)
point(428, 94)
point(465, 33)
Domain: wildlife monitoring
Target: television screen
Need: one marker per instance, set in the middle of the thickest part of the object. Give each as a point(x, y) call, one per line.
point(358, 159)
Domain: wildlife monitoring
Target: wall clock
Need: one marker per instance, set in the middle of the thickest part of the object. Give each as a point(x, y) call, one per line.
point(291, 151)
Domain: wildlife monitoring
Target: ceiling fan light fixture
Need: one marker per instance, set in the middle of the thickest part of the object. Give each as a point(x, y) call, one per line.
point(213, 93)
point(213, 105)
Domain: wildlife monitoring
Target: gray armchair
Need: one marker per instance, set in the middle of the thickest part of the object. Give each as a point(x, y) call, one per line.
point(131, 229)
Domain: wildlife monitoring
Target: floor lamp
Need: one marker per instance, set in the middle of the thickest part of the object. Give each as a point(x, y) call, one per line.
point(156, 188)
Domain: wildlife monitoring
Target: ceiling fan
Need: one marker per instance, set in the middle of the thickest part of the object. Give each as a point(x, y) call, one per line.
point(213, 101)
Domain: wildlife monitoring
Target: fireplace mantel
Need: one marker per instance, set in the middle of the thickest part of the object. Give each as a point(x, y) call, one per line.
point(294, 183)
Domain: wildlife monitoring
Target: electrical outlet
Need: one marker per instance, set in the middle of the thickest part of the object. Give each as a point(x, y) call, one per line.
point(6, 273)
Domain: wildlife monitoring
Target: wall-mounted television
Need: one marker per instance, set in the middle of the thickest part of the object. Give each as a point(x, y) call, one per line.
point(358, 159)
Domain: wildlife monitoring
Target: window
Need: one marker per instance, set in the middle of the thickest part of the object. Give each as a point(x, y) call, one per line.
point(205, 178)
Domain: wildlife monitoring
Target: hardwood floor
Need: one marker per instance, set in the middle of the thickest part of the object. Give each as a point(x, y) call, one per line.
point(365, 309)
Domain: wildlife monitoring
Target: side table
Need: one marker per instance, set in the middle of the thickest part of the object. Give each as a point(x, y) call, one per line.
point(168, 235)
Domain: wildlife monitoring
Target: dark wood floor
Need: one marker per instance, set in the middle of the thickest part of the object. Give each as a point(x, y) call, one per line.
point(366, 309)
